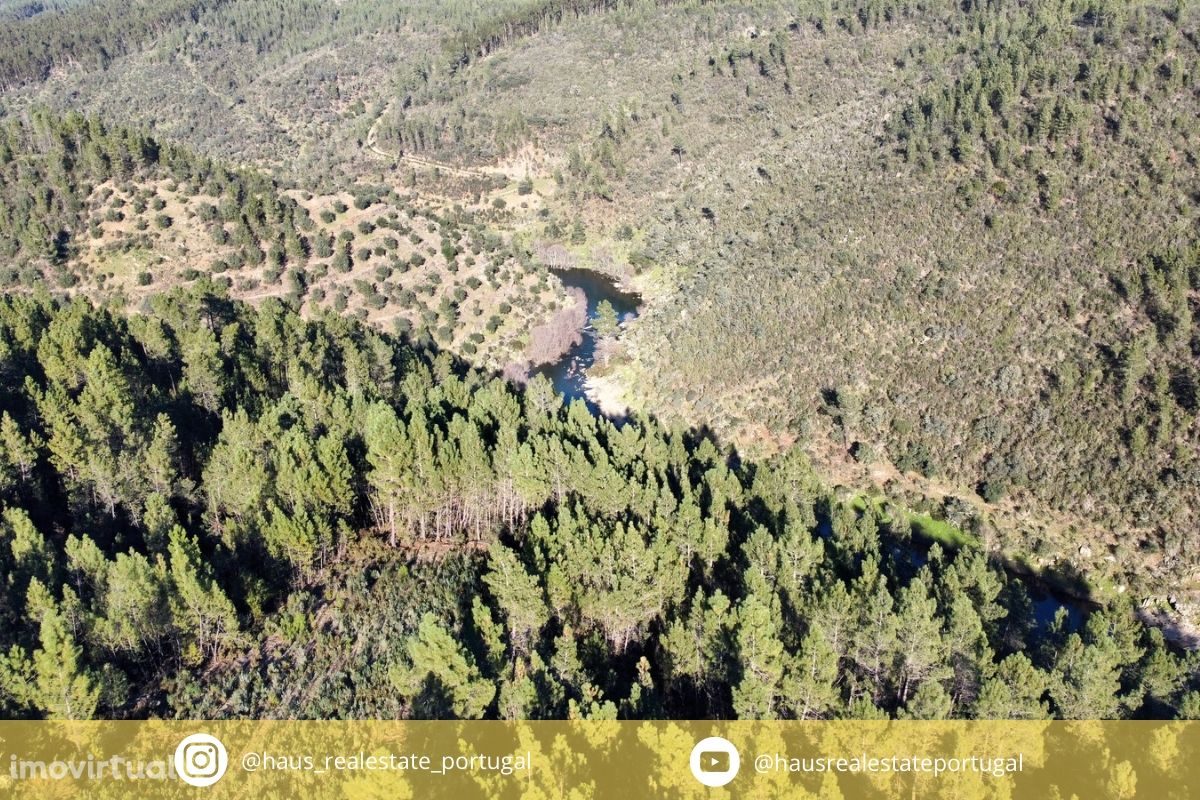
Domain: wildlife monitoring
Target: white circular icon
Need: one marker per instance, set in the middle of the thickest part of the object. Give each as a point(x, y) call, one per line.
point(201, 760)
point(715, 761)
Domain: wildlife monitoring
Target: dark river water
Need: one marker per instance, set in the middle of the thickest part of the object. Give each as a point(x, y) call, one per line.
point(568, 373)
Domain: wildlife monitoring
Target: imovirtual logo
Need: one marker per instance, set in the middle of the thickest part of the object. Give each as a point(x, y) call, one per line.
point(201, 760)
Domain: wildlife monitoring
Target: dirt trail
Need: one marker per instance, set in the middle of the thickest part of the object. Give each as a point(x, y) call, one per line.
point(416, 161)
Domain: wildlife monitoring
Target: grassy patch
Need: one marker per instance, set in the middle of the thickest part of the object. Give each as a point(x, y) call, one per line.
point(940, 531)
point(923, 525)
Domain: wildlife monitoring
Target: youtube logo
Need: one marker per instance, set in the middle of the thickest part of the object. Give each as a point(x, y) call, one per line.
point(715, 761)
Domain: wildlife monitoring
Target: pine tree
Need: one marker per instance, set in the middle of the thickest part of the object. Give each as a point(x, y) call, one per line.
point(65, 687)
point(442, 680)
point(697, 647)
point(237, 476)
point(203, 615)
point(134, 606)
point(204, 372)
point(32, 556)
point(161, 458)
point(761, 658)
point(929, 701)
point(606, 323)
point(873, 643)
point(921, 652)
point(1015, 691)
point(519, 595)
point(1086, 681)
point(809, 688)
point(389, 456)
point(18, 453)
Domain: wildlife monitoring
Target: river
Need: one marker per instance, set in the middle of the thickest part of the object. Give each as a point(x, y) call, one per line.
point(569, 373)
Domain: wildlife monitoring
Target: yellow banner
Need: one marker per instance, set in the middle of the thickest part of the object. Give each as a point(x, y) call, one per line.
point(581, 760)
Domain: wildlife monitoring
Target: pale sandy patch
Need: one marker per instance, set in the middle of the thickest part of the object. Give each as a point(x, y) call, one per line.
point(607, 393)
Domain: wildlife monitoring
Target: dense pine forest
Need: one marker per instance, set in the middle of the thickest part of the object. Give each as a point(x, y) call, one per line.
point(905, 425)
point(212, 510)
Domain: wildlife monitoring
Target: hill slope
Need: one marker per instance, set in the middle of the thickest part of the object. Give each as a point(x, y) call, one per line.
point(952, 248)
point(945, 251)
point(209, 510)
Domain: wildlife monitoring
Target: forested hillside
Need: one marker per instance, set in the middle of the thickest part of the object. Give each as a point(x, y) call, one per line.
point(217, 511)
point(950, 248)
point(291, 86)
point(992, 284)
point(112, 213)
point(91, 34)
point(918, 286)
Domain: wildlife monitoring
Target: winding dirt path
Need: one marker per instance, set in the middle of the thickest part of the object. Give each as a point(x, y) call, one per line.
point(372, 144)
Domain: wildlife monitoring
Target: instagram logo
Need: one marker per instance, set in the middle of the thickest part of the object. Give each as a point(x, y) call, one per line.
point(201, 760)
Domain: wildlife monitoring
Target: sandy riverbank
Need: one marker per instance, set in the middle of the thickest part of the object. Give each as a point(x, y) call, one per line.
point(607, 393)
